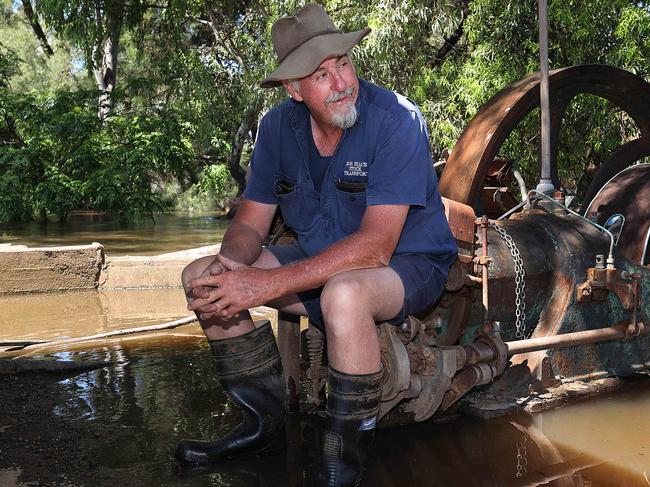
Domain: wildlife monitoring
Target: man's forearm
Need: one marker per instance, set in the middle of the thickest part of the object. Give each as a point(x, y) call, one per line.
point(241, 243)
point(354, 252)
point(371, 246)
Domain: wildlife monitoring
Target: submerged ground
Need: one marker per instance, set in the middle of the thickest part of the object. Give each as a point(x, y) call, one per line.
point(118, 425)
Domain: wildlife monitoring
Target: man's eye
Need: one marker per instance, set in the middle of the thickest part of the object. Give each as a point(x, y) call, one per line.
point(320, 76)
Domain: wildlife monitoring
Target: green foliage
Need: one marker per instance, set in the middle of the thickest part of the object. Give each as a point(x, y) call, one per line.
point(68, 159)
point(189, 74)
point(216, 182)
point(500, 46)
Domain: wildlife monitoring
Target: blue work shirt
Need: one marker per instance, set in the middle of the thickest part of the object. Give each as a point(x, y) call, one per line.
point(383, 159)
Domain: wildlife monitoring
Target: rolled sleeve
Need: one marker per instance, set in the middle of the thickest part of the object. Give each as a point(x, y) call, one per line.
point(261, 181)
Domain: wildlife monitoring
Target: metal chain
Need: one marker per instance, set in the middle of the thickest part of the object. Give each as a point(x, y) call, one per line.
point(522, 461)
point(520, 283)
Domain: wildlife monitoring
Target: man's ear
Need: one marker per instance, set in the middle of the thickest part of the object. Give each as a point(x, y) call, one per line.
point(291, 88)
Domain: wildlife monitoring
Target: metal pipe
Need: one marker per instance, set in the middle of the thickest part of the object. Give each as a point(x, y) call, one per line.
point(545, 183)
point(521, 183)
point(564, 340)
point(645, 247)
point(604, 186)
point(484, 280)
point(610, 256)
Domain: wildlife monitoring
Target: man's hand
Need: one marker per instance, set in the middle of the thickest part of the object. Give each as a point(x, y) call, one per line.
point(215, 268)
point(225, 294)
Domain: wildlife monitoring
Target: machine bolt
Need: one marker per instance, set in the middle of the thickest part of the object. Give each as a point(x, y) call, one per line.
point(600, 261)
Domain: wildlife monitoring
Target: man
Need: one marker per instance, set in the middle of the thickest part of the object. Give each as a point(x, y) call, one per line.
point(349, 165)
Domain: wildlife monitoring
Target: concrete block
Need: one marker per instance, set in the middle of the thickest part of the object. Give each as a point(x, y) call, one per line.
point(47, 269)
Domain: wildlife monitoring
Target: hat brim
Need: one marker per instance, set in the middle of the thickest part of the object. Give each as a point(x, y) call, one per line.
point(306, 58)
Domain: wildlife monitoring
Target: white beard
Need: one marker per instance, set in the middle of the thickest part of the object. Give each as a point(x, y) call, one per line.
point(346, 119)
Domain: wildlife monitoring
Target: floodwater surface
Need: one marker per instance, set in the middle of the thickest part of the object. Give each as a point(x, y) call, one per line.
point(168, 233)
point(118, 425)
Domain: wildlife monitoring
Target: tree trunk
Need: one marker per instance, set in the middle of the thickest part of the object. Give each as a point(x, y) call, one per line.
point(32, 18)
point(234, 159)
point(106, 51)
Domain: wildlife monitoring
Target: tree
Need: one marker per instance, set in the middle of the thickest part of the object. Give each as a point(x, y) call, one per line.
point(96, 28)
point(187, 103)
point(36, 27)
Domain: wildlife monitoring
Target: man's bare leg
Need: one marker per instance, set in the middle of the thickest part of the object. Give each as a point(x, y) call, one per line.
point(352, 303)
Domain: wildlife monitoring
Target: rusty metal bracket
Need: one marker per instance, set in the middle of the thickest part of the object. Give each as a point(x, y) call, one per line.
point(546, 375)
point(484, 260)
point(601, 281)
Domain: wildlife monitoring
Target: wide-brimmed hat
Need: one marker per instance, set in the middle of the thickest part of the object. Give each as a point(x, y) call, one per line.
point(303, 41)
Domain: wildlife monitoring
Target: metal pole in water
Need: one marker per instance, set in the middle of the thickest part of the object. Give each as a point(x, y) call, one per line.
point(545, 184)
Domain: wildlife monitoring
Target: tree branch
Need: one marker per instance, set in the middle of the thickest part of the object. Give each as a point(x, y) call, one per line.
point(224, 40)
point(32, 18)
point(452, 40)
point(234, 159)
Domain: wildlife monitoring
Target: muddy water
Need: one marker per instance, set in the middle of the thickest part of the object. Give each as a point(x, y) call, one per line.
point(118, 425)
point(169, 233)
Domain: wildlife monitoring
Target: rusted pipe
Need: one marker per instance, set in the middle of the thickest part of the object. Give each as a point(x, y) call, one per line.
point(484, 279)
point(564, 340)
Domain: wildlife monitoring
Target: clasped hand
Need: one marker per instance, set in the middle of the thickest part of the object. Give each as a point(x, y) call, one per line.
point(228, 288)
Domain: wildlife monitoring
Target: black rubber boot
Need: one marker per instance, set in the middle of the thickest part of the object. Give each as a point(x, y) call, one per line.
point(250, 371)
point(352, 407)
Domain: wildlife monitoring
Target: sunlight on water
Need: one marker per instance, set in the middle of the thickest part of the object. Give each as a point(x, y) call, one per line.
point(169, 233)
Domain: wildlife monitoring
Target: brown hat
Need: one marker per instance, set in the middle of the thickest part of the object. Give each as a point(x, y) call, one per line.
point(303, 41)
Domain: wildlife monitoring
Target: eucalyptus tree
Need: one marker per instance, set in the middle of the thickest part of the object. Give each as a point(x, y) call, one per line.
point(96, 28)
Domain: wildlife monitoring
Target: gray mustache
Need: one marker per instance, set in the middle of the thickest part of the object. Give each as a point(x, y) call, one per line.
point(337, 96)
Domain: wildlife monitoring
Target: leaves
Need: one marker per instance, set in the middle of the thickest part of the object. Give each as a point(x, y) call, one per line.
point(189, 74)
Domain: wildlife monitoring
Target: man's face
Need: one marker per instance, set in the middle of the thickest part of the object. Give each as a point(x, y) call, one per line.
point(330, 92)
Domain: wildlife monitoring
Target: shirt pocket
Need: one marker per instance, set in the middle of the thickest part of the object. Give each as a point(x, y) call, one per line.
point(298, 203)
point(351, 204)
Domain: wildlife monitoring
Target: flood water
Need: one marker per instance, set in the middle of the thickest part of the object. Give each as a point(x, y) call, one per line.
point(118, 425)
point(169, 233)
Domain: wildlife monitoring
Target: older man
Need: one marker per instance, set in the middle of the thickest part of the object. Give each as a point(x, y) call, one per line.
point(349, 165)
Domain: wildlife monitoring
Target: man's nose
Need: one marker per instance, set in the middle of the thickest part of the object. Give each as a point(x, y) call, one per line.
point(338, 83)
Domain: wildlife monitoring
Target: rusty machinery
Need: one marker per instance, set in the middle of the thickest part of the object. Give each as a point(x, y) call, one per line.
point(564, 292)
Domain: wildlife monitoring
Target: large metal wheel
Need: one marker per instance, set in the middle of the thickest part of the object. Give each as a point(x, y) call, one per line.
point(479, 144)
point(481, 140)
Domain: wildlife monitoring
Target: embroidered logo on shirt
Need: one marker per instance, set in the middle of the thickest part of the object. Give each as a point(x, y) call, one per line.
point(356, 168)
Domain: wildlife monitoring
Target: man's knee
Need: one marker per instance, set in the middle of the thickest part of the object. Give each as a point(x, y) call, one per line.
point(195, 268)
point(343, 295)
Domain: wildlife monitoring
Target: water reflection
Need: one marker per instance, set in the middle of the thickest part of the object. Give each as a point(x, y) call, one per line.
point(126, 419)
point(73, 314)
point(170, 233)
point(118, 425)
